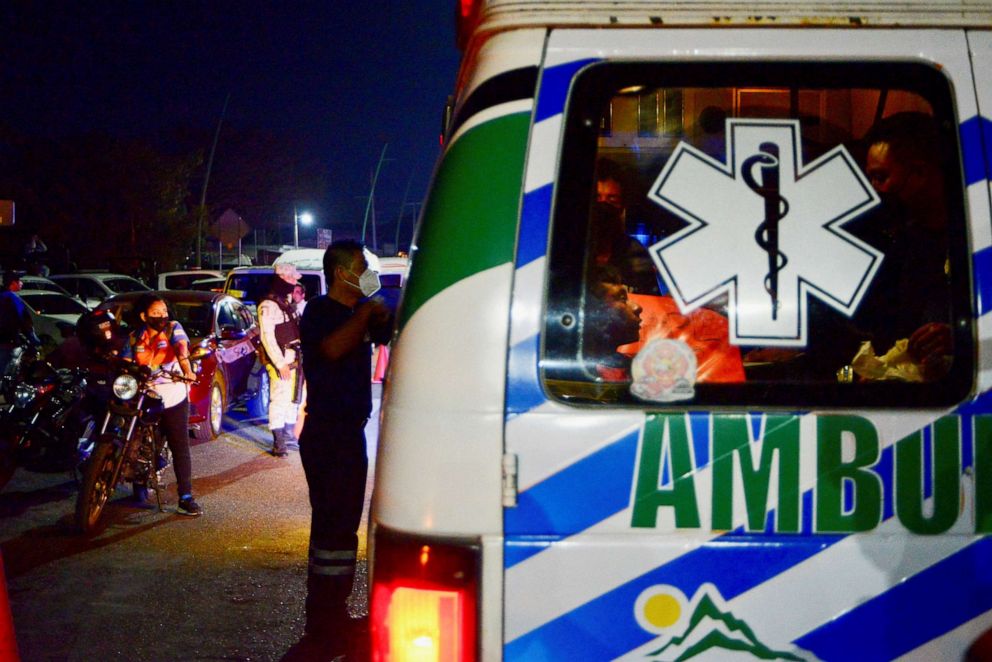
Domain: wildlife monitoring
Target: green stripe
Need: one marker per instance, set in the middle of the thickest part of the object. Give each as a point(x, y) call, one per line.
point(470, 221)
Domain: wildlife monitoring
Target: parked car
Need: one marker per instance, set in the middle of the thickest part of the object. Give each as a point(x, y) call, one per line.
point(93, 287)
point(183, 280)
point(231, 374)
point(53, 314)
point(29, 282)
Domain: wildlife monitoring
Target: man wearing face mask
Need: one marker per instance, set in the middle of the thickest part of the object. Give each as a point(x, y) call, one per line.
point(337, 333)
point(280, 334)
point(162, 343)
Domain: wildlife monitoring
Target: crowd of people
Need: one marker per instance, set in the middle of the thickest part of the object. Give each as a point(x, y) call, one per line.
point(319, 353)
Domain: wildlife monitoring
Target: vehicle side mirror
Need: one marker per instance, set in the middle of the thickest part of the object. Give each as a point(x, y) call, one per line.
point(232, 333)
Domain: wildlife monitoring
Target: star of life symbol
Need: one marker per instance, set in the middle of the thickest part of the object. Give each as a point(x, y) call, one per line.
point(765, 229)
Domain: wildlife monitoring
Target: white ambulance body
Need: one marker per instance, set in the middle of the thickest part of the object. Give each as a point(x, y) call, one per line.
point(773, 466)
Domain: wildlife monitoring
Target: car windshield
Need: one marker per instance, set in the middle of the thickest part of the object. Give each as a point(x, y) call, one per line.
point(53, 304)
point(250, 287)
point(195, 316)
point(121, 285)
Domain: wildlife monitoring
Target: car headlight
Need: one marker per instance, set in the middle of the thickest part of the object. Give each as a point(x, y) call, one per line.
point(125, 387)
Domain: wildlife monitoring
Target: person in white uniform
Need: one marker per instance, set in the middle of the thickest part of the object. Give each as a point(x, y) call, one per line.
point(280, 329)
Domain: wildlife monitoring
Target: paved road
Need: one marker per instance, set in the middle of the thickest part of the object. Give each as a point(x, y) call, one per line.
point(156, 586)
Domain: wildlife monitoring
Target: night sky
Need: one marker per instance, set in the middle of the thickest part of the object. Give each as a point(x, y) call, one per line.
point(347, 76)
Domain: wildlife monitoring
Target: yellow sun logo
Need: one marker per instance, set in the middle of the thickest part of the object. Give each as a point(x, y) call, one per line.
point(660, 609)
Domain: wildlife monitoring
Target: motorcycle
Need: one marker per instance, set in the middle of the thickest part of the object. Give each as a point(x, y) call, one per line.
point(38, 400)
point(129, 446)
point(22, 354)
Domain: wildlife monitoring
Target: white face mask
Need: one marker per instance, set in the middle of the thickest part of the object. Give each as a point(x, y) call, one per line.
point(368, 282)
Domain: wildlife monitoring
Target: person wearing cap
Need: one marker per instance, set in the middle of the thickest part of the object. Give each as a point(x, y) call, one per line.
point(15, 319)
point(280, 329)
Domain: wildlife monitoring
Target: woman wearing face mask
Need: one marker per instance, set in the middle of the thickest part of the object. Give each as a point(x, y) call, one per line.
point(162, 343)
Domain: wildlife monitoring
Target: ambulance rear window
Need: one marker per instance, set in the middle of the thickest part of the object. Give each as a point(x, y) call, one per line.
point(760, 234)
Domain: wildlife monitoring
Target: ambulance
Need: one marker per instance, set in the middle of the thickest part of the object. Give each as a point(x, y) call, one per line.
point(695, 352)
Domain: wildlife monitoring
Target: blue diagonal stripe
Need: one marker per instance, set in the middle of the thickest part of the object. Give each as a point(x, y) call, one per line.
point(590, 490)
point(982, 266)
point(923, 607)
point(976, 148)
point(534, 214)
point(555, 82)
point(523, 392)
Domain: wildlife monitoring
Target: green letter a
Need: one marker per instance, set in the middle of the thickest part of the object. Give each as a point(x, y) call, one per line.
point(649, 496)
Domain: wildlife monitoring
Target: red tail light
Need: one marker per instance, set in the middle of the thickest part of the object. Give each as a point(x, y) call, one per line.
point(423, 600)
point(466, 16)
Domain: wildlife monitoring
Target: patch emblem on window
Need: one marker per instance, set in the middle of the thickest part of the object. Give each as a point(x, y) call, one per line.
point(664, 371)
point(765, 229)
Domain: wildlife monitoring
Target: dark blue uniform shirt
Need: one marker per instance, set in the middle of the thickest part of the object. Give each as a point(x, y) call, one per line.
point(341, 390)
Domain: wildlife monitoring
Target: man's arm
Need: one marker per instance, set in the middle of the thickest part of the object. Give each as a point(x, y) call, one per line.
point(351, 333)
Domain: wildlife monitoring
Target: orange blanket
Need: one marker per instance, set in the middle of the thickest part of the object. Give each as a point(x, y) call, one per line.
point(704, 330)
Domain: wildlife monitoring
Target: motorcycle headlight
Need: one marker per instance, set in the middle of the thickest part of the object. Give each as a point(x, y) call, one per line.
point(125, 387)
point(23, 394)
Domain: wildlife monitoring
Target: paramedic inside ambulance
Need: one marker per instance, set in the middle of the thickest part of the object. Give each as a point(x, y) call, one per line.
point(609, 242)
point(611, 320)
point(905, 166)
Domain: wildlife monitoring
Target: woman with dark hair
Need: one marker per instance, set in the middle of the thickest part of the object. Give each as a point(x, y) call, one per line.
point(159, 342)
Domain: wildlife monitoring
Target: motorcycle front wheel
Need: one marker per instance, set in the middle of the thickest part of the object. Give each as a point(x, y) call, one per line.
point(99, 481)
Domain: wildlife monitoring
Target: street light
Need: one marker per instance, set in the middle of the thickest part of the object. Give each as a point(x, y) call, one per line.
point(306, 218)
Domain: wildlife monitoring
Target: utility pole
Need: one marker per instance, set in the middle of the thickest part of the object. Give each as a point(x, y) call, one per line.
point(399, 219)
point(415, 206)
point(203, 192)
point(368, 205)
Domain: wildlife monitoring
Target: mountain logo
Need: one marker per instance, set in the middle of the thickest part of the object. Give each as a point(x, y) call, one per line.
point(702, 627)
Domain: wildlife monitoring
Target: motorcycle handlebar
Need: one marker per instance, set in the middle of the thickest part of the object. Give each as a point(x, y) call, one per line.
point(174, 376)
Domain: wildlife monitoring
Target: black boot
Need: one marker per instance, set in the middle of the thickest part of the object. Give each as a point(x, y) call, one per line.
point(291, 443)
point(326, 608)
point(279, 443)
